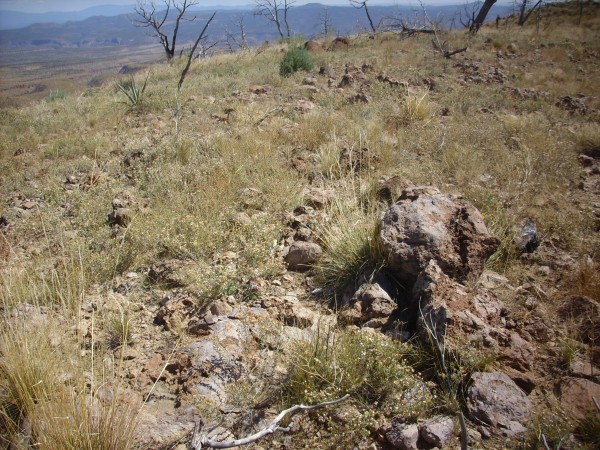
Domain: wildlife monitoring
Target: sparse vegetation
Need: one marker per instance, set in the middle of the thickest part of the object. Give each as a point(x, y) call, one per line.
point(258, 161)
point(131, 90)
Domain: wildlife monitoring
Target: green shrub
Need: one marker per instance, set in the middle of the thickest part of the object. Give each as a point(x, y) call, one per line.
point(56, 95)
point(295, 59)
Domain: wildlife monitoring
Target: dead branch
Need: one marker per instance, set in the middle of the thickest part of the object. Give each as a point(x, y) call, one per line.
point(200, 439)
point(191, 55)
point(448, 54)
point(269, 114)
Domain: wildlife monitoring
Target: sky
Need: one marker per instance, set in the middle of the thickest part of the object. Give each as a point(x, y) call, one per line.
point(40, 6)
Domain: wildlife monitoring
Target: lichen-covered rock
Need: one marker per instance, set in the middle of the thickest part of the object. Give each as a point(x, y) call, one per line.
point(425, 225)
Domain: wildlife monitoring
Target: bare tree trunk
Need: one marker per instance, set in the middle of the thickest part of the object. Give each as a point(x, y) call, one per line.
point(369, 17)
point(285, 18)
point(481, 15)
point(522, 15)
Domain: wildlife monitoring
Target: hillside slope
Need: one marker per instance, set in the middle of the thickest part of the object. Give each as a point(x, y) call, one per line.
point(237, 249)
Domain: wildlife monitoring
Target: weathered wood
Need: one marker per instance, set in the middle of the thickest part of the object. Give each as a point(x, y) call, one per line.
point(199, 439)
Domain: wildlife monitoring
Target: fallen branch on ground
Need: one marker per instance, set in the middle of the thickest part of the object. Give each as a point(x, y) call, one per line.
point(199, 439)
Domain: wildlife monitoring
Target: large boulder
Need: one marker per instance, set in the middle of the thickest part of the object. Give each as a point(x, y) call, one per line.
point(425, 225)
point(494, 399)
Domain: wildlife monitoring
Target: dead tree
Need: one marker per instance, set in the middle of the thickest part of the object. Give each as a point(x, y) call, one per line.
point(360, 4)
point(525, 12)
point(192, 50)
point(158, 21)
point(481, 15)
point(275, 11)
point(325, 23)
point(233, 43)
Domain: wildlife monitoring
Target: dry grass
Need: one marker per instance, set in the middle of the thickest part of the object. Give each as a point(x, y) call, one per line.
point(511, 157)
point(48, 402)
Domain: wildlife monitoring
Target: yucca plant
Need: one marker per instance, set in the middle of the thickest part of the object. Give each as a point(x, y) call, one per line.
point(131, 90)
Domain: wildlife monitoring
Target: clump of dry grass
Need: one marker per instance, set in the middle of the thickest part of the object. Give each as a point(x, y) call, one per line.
point(46, 401)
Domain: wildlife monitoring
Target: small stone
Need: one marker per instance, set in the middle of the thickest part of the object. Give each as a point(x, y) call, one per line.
point(437, 430)
point(302, 254)
point(403, 436)
point(526, 236)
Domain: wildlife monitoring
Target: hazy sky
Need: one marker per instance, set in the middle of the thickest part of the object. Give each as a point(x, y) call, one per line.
point(77, 5)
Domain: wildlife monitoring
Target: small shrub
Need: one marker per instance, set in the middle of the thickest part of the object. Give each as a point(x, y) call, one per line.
point(131, 90)
point(119, 329)
point(56, 95)
point(588, 429)
point(369, 366)
point(294, 60)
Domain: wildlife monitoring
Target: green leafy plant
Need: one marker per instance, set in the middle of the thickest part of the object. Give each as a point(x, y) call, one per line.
point(294, 60)
point(132, 91)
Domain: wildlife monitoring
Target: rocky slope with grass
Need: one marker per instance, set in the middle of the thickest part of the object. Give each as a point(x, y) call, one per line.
point(416, 231)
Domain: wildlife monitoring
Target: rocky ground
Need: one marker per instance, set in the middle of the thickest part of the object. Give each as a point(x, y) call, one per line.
point(346, 228)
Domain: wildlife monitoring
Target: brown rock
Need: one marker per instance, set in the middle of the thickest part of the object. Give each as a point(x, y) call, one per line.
point(576, 396)
point(302, 254)
point(433, 226)
point(368, 303)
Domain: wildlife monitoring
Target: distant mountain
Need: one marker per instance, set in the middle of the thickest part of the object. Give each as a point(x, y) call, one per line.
point(305, 20)
point(10, 20)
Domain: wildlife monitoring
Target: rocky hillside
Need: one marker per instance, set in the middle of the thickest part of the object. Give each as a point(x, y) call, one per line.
point(420, 233)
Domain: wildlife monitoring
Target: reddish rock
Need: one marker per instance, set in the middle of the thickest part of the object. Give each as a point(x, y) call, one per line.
point(302, 254)
point(433, 226)
point(576, 396)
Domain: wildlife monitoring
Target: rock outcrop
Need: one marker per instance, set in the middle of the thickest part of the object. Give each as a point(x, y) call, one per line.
point(425, 225)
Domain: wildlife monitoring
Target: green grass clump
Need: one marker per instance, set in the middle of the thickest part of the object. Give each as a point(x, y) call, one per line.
point(42, 384)
point(294, 60)
point(132, 91)
point(351, 249)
